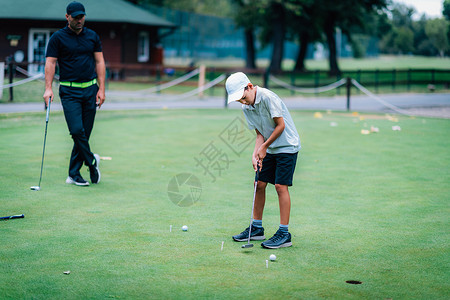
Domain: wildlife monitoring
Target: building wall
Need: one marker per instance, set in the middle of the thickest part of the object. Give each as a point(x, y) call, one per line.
point(119, 40)
point(111, 36)
point(22, 29)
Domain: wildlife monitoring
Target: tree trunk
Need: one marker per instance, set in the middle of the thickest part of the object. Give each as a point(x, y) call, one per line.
point(300, 63)
point(329, 32)
point(279, 28)
point(250, 49)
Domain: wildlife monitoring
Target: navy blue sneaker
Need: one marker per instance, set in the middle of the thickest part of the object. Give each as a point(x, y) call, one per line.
point(279, 240)
point(95, 171)
point(256, 235)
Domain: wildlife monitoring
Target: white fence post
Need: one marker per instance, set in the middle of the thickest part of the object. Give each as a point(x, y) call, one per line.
point(201, 79)
point(2, 77)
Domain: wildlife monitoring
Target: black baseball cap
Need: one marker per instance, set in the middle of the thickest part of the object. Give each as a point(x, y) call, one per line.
point(75, 9)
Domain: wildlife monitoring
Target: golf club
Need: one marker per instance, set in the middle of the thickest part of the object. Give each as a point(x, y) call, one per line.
point(38, 188)
point(12, 217)
point(248, 245)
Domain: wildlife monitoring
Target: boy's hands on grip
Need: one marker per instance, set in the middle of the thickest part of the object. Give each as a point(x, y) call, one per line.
point(258, 158)
point(262, 151)
point(256, 163)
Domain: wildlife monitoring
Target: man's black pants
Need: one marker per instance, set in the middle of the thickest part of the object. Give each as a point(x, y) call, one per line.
point(79, 106)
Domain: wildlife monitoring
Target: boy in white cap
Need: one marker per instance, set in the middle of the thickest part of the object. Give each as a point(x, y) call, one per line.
point(275, 154)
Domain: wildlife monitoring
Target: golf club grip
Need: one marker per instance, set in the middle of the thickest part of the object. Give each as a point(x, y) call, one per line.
point(48, 109)
point(12, 217)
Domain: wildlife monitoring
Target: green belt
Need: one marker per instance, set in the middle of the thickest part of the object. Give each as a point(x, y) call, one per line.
point(79, 84)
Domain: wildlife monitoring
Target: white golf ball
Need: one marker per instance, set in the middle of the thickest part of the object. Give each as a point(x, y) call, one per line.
point(272, 257)
point(184, 228)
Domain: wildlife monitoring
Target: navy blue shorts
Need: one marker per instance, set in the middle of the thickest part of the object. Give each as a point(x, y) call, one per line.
point(278, 168)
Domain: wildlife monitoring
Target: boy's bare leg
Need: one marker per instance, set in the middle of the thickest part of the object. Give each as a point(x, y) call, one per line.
point(285, 203)
point(260, 200)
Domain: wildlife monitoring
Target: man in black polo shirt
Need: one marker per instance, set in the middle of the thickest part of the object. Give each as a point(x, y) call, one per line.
point(78, 51)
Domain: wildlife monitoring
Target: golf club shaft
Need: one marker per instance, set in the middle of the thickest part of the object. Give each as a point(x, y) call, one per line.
point(253, 204)
point(45, 138)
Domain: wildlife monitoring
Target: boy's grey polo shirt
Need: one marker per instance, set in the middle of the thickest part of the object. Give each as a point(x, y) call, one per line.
point(260, 116)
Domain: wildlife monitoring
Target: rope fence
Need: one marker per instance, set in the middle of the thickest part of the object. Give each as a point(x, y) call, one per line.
point(26, 80)
point(202, 88)
point(172, 83)
point(376, 98)
point(142, 94)
point(322, 89)
point(149, 93)
point(336, 85)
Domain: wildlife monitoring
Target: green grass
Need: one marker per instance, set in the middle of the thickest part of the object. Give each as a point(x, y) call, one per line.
point(372, 208)
point(385, 62)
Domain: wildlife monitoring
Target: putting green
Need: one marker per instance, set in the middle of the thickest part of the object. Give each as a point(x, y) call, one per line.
point(366, 208)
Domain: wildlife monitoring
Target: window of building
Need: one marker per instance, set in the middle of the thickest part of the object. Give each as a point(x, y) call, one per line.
point(143, 46)
point(37, 45)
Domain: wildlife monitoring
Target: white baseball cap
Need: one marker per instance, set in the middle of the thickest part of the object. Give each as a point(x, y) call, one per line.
point(235, 86)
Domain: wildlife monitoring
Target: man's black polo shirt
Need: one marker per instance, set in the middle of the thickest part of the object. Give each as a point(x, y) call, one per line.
point(75, 53)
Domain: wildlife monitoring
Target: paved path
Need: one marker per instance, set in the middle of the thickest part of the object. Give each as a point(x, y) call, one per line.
point(437, 105)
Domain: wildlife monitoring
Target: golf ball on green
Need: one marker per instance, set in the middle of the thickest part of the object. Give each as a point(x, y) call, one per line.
point(184, 228)
point(272, 257)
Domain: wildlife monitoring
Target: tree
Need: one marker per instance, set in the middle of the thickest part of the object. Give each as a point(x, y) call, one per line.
point(277, 20)
point(206, 7)
point(269, 17)
point(436, 31)
point(402, 15)
point(422, 45)
point(405, 35)
point(404, 40)
point(446, 13)
point(343, 14)
point(301, 27)
point(246, 18)
point(446, 9)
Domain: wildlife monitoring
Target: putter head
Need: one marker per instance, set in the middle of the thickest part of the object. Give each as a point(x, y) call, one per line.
point(35, 188)
point(247, 246)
